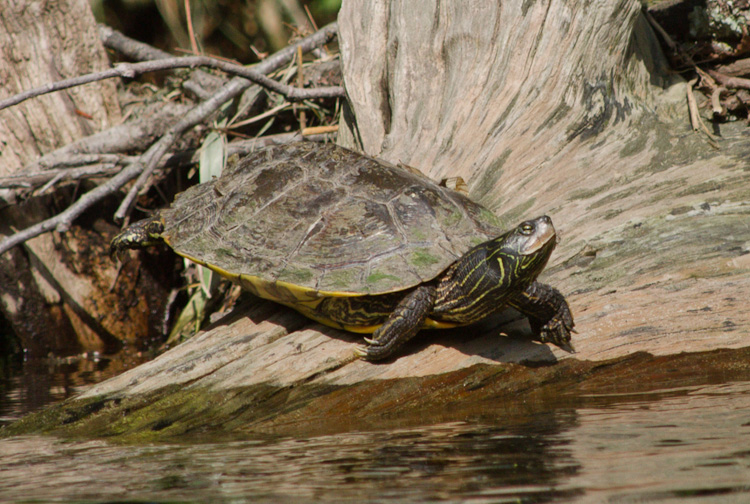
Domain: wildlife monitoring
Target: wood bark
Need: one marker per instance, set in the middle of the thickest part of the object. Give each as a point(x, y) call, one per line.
point(51, 290)
point(563, 108)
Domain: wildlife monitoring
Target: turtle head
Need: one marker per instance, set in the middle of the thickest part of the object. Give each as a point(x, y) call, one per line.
point(139, 235)
point(522, 252)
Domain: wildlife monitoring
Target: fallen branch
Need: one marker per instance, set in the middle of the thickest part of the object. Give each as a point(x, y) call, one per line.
point(154, 154)
point(692, 105)
point(131, 70)
point(735, 69)
point(128, 47)
point(716, 107)
point(733, 82)
point(136, 135)
point(35, 179)
point(106, 165)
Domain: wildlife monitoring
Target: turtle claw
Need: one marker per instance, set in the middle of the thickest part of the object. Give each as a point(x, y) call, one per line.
point(557, 331)
point(360, 352)
point(374, 350)
point(567, 346)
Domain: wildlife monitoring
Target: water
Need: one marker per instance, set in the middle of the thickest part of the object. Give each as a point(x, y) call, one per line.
point(29, 384)
point(689, 444)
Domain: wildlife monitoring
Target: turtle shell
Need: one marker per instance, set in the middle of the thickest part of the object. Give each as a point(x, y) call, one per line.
point(322, 220)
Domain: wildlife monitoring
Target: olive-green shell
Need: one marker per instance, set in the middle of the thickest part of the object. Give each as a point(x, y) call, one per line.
point(324, 220)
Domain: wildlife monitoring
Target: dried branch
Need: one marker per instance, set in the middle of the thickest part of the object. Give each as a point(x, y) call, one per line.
point(131, 70)
point(154, 154)
point(735, 69)
point(692, 105)
point(29, 180)
point(199, 83)
point(733, 82)
point(106, 165)
point(134, 135)
point(130, 48)
point(716, 107)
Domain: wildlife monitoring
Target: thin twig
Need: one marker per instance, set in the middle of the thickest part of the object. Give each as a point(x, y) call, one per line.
point(695, 118)
point(692, 105)
point(300, 85)
point(260, 116)
point(128, 47)
point(667, 39)
point(282, 57)
point(131, 70)
point(716, 106)
point(191, 32)
point(196, 115)
point(30, 180)
point(733, 82)
point(319, 130)
point(76, 160)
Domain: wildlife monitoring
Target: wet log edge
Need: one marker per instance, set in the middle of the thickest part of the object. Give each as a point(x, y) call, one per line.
point(481, 394)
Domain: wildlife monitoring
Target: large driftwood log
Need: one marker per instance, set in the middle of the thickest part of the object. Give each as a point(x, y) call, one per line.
point(543, 107)
point(559, 109)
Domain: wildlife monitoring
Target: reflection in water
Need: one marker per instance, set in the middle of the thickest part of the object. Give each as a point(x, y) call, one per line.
point(30, 384)
point(693, 444)
point(666, 446)
point(443, 461)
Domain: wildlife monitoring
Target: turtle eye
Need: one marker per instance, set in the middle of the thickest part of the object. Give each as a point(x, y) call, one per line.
point(527, 228)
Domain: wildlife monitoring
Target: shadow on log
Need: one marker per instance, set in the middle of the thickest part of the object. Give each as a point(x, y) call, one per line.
point(555, 108)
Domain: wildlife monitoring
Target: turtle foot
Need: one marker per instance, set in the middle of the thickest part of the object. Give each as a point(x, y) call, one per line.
point(558, 331)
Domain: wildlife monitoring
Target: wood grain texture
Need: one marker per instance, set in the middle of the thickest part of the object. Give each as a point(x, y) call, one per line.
point(51, 305)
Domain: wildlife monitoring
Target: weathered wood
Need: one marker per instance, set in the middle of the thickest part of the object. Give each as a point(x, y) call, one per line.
point(56, 290)
point(568, 110)
point(544, 107)
point(476, 91)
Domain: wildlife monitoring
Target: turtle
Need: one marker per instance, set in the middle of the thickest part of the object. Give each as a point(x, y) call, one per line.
point(359, 244)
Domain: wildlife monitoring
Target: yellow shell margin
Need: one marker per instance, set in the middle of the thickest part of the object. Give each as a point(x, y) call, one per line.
point(300, 298)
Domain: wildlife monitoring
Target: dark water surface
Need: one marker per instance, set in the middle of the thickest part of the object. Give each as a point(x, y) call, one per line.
point(690, 444)
point(27, 385)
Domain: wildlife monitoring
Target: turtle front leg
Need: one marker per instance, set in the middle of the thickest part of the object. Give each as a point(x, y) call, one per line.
point(405, 321)
point(548, 312)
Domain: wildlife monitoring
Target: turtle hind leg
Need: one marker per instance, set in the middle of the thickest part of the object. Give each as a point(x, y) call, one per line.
point(143, 233)
point(548, 313)
point(405, 321)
